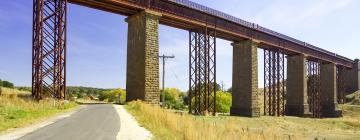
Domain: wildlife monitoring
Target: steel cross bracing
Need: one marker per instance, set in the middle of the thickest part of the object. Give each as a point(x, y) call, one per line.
point(274, 86)
point(341, 84)
point(314, 87)
point(202, 69)
point(49, 49)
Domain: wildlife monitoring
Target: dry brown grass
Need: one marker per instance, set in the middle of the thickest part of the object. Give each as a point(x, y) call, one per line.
point(166, 124)
point(169, 125)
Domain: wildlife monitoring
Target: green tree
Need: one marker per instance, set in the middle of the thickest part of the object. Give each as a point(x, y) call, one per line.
point(7, 84)
point(223, 102)
point(113, 95)
point(174, 98)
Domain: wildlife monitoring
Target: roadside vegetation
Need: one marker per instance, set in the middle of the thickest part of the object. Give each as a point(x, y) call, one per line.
point(165, 124)
point(175, 123)
point(18, 109)
point(354, 98)
point(96, 95)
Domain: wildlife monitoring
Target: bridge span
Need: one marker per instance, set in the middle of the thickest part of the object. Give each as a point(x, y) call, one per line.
point(188, 15)
point(316, 81)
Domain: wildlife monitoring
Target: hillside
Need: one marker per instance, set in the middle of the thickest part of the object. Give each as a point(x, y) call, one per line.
point(17, 108)
point(354, 98)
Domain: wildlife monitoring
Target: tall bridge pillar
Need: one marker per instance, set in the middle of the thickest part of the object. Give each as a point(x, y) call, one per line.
point(142, 75)
point(296, 84)
point(245, 79)
point(328, 90)
point(353, 78)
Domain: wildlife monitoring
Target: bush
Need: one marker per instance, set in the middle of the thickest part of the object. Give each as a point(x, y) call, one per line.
point(353, 98)
point(113, 95)
point(7, 84)
point(174, 98)
point(223, 102)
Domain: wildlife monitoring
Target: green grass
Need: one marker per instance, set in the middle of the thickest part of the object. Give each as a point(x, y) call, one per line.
point(354, 98)
point(166, 124)
point(17, 109)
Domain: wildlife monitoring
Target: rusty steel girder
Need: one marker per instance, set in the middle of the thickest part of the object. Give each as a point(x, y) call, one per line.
point(49, 49)
point(314, 87)
point(274, 82)
point(202, 69)
point(185, 14)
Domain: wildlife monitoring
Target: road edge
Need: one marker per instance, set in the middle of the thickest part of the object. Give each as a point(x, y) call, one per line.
point(133, 130)
point(17, 133)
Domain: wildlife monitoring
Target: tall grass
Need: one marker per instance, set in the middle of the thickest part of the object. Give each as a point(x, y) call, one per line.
point(165, 124)
point(18, 109)
point(174, 126)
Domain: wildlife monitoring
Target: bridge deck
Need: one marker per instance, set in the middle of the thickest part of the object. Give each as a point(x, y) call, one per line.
point(188, 15)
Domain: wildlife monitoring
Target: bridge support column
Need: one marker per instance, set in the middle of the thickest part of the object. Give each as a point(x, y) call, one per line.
point(142, 75)
point(353, 78)
point(245, 79)
point(328, 90)
point(296, 84)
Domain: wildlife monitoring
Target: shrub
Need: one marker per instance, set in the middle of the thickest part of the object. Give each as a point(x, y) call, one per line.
point(113, 95)
point(223, 102)
point(174, 98)
point(7, 84)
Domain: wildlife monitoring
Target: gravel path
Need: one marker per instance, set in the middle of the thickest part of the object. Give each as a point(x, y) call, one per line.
point(129, 128)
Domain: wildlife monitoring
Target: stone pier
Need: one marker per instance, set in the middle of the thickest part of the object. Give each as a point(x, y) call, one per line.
point(328, 90)
point(245, 79)
point(296, 84)
point(353, 78)
point(142, 75)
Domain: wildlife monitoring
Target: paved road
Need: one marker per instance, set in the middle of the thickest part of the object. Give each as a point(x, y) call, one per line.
point(94, 122)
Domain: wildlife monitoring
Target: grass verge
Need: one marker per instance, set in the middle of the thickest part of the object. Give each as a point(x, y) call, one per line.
point(17, 109)
point(166, 125)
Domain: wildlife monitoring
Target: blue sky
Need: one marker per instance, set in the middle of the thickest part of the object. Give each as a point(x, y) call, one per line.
point(97, 40)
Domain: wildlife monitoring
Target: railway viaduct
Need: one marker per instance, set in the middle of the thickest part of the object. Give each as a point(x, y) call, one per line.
point(300, 79)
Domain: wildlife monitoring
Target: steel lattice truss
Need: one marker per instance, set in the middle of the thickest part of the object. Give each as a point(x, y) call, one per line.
point(341, 84)
point(274, 86)
point(314, 88)
point(202, 53)
point(49, 48)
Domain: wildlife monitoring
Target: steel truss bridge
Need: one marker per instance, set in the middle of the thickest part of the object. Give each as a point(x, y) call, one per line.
point(204, 25)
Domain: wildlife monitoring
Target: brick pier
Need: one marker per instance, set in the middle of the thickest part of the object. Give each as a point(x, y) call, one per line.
point(142, 75)
point(245, 100)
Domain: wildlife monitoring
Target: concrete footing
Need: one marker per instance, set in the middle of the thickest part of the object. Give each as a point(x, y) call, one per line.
point(245, 80)
point(142, 75)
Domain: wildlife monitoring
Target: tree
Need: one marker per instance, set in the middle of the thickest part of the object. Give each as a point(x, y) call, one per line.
point(113, 95)
point(7, 84)
point(223, 102)
point(174, 98)
point(1, 83)
point(229, 90)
